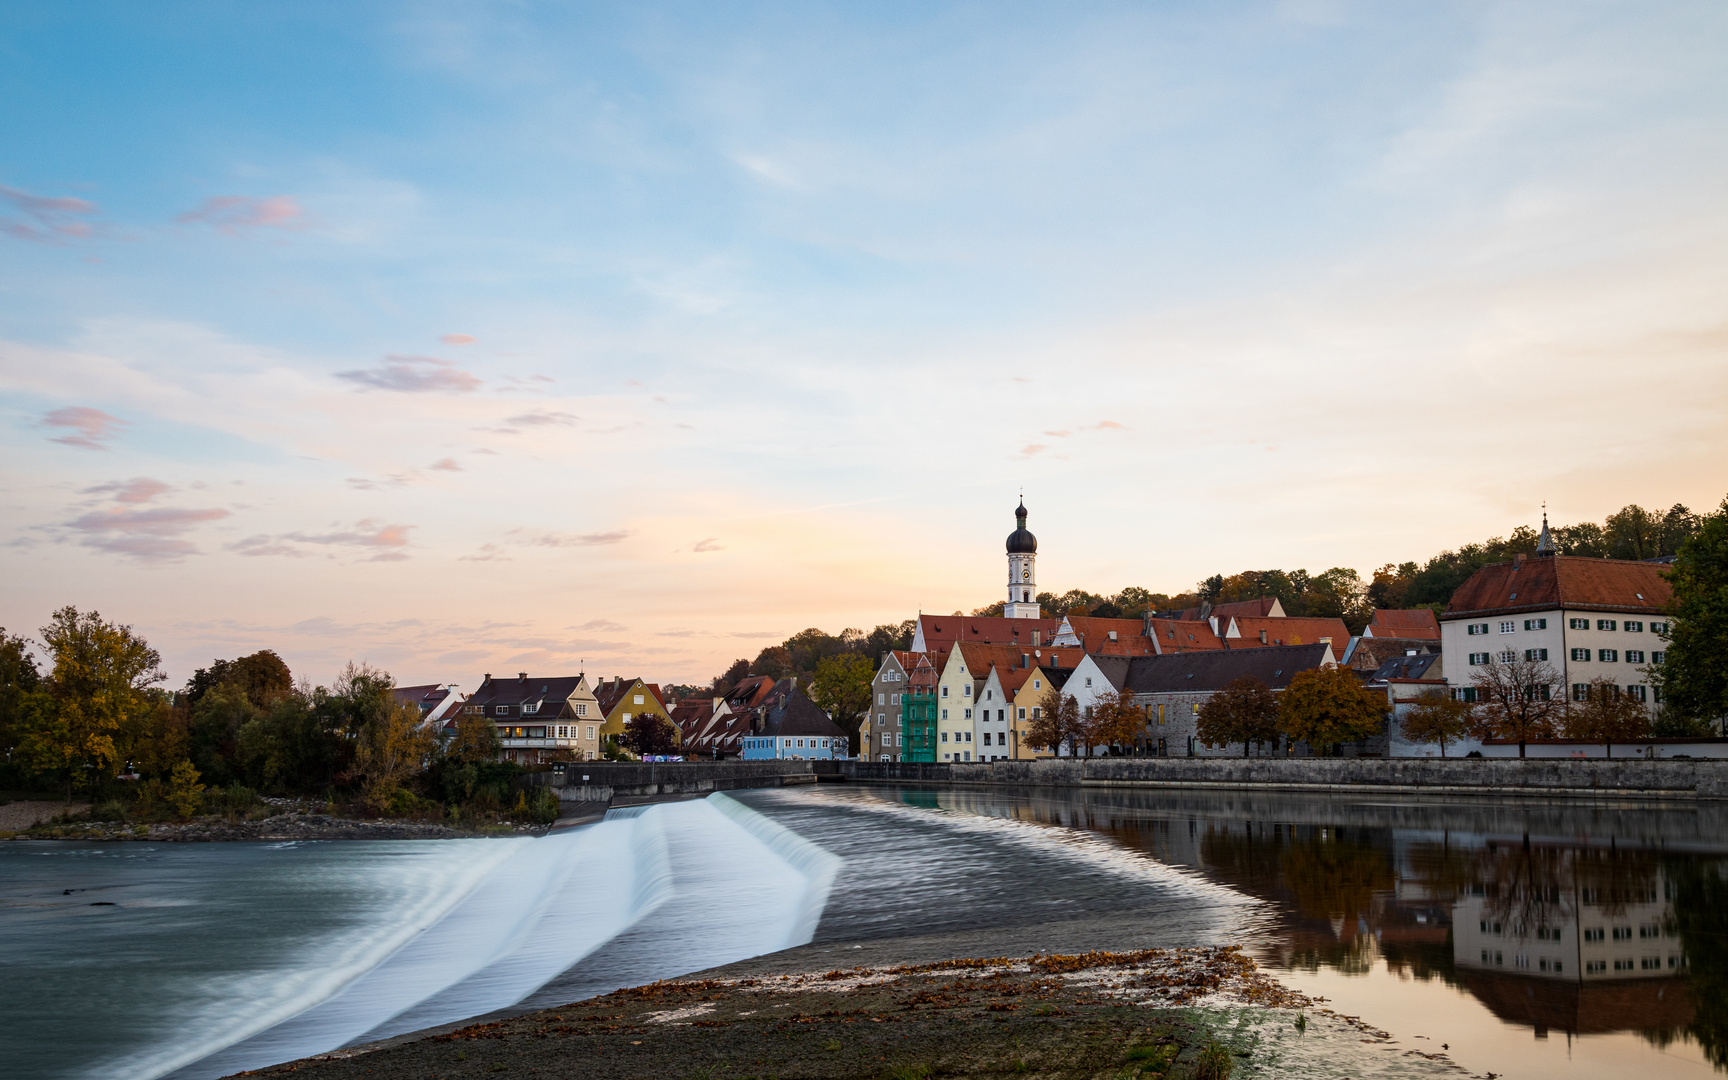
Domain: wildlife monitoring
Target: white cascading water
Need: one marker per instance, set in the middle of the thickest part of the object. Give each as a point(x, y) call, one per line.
point(728, 882)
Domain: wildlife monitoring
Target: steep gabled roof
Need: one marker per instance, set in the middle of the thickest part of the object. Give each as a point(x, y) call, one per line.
point(750, 692)
point(1261, 607)
point(1405, 667)
point(1204, 672)
point(794, 714)
point(1113, 668)
point(1561, 581)
point(1407, 623)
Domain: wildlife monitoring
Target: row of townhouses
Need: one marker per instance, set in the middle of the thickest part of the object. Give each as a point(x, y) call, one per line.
point(970, 687)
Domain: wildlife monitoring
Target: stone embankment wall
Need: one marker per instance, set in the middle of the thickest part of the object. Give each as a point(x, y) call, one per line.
point(1463, 776)
point(602, 782)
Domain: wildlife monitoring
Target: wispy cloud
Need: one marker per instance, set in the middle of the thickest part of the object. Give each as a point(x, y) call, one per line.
point(368, 534)
point(446, 465)
point(46, 219)
point(603, 626)
point(139, 489)
point(151, 535)
point(712, 543)
point(542, 419)
point(93, 426)
point(236, 214)
point(414, 375)
point(560, 539)
point(458, 339)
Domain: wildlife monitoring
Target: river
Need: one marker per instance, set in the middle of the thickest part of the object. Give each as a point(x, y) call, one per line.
point(1462, 923)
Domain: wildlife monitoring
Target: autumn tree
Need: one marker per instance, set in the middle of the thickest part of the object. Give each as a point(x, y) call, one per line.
point(1055, 722)
point(1607, 715)
point(392, 746)
point(1693, 680)
point(1117, 720)
point(732, 676)
point(1244, 711)
point(650, 733)
point(1515, 700)
point(1326, 706)
point(474, 740)
point(102, 672)
point(1436, 717)
point(20, 681)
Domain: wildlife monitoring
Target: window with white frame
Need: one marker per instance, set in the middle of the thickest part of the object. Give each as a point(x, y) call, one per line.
point(944, 691)
point(1535, 654)
point(581, 708)
point(1604, 624)
point(1639, 691)
point(1507, 656)
point(893, 699)
point(1580, 654)
point(530, 708)
point(1608, 656)
point(1659, 628)
point(1632, 626)
point(944, 736)
point(1535, 624)
point(1658, 657)
point(1634, 656)
point(966, 690)
point(1037, 684)
point(968, 714)
point(944, 714)
point(1509, 626)
point(1475, 628)
point(501, 710)
point(1580, 691)
point(1478, 659)
point(590, 731)
point(638, 700)
point(1578, 624)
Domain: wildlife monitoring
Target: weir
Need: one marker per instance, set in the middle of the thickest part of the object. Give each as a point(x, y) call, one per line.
point(531, 916)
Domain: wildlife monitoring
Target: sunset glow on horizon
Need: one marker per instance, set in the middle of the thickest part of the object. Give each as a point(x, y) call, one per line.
point(500, 337)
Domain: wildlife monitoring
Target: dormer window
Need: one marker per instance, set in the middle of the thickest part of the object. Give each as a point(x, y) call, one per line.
point(501, 710)
point(530, 708)
point(581, 708)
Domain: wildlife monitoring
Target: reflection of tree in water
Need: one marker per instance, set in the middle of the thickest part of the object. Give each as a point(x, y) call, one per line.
point(1527, 887)
point(1699, 915)
point(1329, 875)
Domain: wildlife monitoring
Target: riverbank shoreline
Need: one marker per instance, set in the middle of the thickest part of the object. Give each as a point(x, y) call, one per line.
point(290, 825)
point(1152, 1013)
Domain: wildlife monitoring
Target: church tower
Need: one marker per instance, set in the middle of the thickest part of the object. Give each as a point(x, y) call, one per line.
point(1022, 573)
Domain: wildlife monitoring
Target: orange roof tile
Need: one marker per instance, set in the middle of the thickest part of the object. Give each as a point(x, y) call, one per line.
point(1297, 631)
point(1412, 623)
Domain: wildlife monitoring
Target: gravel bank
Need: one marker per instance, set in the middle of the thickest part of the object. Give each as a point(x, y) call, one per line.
point(1152, 1013)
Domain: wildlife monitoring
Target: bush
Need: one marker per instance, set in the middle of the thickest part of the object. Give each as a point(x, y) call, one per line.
point(538, 805)
point(184, 790)
point(1214, 1062)
point(109, 810)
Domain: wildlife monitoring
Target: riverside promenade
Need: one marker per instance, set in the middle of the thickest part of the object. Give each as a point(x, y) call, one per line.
point(598, 784)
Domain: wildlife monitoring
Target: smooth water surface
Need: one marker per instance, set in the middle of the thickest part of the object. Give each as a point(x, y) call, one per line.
point(1531, 939)
point(1466, 923)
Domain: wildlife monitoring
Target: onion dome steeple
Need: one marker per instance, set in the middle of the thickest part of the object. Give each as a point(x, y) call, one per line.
point(1021, 541)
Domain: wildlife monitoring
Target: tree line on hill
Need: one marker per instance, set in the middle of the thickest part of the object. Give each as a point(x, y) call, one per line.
point(99, 722)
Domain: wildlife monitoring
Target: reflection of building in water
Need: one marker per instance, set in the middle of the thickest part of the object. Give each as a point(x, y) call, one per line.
point(1570, 939)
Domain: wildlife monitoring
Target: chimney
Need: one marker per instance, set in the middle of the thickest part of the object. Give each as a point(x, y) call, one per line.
point(487, 678)
point(523, 675)
point(1517, 560)
point(1037, 638)
point(1112, 635)
point(1262, 637)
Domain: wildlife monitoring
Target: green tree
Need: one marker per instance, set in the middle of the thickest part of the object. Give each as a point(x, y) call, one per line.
point(1609, 715)
point(1693, 681)
point(1436, 717)
point(19, 678)
point(98, 685)
point(732, 676)
point(1326, 706)
point(842, 690)
point(475, 739)
point(215, 731)
point(1244, 711)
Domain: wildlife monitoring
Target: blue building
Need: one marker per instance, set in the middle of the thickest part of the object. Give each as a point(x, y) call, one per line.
point(787, 725)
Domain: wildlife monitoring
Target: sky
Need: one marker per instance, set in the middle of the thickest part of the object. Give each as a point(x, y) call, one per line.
point(631, 338)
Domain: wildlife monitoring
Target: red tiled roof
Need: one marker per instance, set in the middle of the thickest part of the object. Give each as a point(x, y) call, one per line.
point(1259, 607)
point(1562, 581)
point(941, 631)
point(1183, 635)
point(1412, 623)
point(1298, 631)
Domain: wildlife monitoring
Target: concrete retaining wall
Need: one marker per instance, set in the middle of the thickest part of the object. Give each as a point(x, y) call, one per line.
point(1469, 776)
point(605, 781)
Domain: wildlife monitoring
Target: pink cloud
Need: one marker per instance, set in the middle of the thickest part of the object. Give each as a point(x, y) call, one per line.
point(712, 543)
point(93, 426)
point(414, 375)
point(542, 419)
point(139, 489)
point(458, 339)
point(1109, 425)
point(47, 219)
point(367, 533)
point(152, 535)
point(446, 465)
point(234, 213)
point(556, 539)
point(1033, 448)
